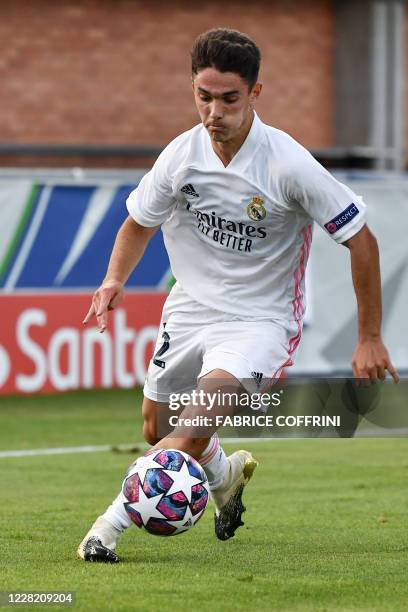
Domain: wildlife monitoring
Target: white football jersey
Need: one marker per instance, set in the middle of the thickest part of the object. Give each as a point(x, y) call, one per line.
point(238, 237)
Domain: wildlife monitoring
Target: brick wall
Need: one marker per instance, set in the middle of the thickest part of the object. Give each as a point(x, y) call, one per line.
point(118, 71)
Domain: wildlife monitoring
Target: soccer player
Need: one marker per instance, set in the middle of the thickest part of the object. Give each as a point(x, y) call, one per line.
point(236, 200)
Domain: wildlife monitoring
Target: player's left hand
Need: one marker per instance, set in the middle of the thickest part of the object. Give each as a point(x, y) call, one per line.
point(371, 360)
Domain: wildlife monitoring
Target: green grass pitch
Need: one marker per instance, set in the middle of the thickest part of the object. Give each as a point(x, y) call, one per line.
point(325, 527)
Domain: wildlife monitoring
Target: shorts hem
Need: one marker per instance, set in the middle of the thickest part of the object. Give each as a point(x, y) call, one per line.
point(217, 362)
point(163, 398)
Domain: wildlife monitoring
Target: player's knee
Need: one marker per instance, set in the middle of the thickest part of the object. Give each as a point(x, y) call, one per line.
point(149, 432)
point(195, 447)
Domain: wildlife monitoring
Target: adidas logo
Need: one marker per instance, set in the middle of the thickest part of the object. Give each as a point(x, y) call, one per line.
point(189, 190)
point(258, 377)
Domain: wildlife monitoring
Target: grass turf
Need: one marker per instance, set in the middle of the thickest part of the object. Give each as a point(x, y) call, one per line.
point(326, 525)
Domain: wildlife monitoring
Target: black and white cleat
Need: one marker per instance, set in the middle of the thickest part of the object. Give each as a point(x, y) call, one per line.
point(230, 516)
point(228, 498)
point(95, 551)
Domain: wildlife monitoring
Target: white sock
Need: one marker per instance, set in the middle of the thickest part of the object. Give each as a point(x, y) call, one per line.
point(117, 515)
point(214, 462)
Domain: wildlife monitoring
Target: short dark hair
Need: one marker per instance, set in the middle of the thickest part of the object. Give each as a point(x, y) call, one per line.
point(227, 51)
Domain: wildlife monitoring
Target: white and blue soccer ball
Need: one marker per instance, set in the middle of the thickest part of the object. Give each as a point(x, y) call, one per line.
point(166, 492)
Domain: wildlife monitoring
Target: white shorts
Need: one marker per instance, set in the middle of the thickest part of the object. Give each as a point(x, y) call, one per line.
point(192, 342)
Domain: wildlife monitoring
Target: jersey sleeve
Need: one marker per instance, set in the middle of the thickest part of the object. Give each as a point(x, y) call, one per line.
point(152, 202)
point(334, 206)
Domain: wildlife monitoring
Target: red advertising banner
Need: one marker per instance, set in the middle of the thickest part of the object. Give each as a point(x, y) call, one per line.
point(44, 347)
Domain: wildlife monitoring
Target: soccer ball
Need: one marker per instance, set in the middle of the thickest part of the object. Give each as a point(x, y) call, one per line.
point(166, 492)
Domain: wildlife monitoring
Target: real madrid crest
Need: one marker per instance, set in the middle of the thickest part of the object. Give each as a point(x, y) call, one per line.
point(256, 209)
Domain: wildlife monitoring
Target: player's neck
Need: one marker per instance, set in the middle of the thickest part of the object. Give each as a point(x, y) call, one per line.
point(226, 151)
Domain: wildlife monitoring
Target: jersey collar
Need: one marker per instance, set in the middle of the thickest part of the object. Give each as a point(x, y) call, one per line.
point(245, 153)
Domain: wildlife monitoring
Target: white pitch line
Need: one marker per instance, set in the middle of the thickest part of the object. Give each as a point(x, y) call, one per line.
point(71, 450)
point(65, 450)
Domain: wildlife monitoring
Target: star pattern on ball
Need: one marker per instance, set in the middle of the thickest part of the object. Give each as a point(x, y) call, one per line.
point(143, 464)
point(185, 523)
point(179, 479)
point(146, 506)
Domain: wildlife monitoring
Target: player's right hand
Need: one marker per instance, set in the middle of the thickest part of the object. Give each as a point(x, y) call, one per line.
point(107, 297)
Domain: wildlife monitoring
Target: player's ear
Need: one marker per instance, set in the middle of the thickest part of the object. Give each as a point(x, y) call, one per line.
point(256, 90)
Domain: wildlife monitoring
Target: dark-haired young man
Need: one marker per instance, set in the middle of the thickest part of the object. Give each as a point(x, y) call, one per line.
point(236, 200)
